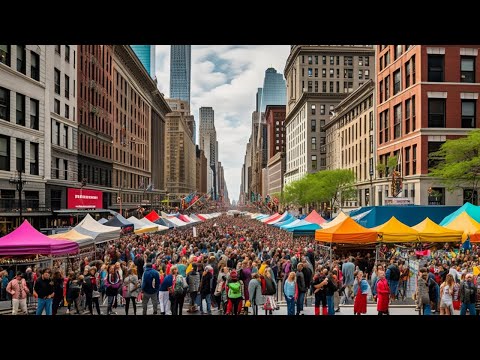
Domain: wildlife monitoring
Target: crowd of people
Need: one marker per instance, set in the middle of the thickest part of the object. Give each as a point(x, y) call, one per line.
point(236, 265)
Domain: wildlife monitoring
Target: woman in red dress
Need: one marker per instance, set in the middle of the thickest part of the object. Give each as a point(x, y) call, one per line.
point(383, 294)
point(360, 289)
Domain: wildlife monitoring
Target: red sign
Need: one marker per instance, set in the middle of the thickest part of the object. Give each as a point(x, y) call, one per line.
point(84, 199)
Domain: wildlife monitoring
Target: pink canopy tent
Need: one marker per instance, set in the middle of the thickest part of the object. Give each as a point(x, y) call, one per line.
point(201, 217)
point(315, 218)
point(273, 218)
point(26, 240)
point(152, 216)
point(183, 218)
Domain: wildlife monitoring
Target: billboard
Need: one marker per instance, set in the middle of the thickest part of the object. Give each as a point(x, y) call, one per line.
point(84, 199)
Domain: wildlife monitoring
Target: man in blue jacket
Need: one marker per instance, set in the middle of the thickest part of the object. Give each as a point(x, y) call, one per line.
point(150, 288)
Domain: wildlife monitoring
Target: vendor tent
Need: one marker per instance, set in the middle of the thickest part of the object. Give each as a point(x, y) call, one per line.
point(304, 228)
point(81, 239)
point(394, 231)
point(271, 217)
point(140, 227)
point(118, 221)
point(315, 218)
point(195, 217)
point(428, 231)
point(150, 224)
point(184, 219)
point(347, 232)
point(101, 233)
point(472, 210)
point(201, 217)
point(153, 216)
point(281, 218)
point(339, 219)
point(26, 240)
point(175, 221)
point(102, 221)
point(291, 225)
point(465, 223)
point(289, 220)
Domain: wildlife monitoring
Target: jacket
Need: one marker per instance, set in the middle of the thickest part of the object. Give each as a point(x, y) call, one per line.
point(383, 294)
point(205, 287)
point(363, 287)
point(166, 283)
point(468, 292)
point(18, 289)
point(148, 284)
point(193, 281)
point(255, 292)
point(131, 282)
point(301, 282)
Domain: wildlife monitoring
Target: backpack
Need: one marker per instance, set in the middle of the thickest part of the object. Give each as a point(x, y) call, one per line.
point(264, 285)
point(235, 291)
point(178, 289)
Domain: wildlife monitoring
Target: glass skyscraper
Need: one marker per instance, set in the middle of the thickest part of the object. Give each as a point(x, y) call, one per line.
point(180, 64)
point(274, 90)
point(146, 54)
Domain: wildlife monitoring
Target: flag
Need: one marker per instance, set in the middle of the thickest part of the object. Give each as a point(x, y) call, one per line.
point(195, 198)
point(150, 187)
point(189, 197)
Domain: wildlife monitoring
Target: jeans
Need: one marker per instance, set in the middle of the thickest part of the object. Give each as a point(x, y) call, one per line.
point(300, 300)
point(290, 305)
point(470, 307)
point(44, 304)
point(208, 301)
point(331, 305)
point(111, 299)
point(427, 309)
point(146, 298)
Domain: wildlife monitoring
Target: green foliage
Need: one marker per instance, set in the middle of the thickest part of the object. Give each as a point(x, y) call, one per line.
point(461, 164)
point(322, 186)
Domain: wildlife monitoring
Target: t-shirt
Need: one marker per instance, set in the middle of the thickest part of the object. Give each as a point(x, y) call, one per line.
point(446, 297)
point(44, 288)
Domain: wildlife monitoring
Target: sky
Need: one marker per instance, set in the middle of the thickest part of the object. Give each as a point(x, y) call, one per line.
point(226, 77)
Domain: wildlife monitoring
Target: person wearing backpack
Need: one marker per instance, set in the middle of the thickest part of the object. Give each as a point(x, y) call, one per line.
point(179, 291)
point(206, 290)
point(193, 281)
point(360, 289)
point(255, 292)
point(132, 290)
point(150, 288)
point(234, 294)
point(468, 295)
point(73, 292)
point(393, 277)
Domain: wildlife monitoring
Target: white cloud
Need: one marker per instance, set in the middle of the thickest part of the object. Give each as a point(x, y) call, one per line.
point(226, 77)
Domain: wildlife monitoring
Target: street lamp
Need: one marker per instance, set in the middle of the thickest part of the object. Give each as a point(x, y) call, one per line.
point(19, 184)
point(372, 195)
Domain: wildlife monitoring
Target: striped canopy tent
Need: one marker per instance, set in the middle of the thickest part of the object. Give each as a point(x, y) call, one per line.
point(394, 231)
point(347, 232)
point(464, 223)
point(153, 216)
point(270, 218)
point(201, 217)
point(429, 231)
point(176, 221)
point(292, 224)
point(261, 217)
point(196, 218)
point(281, 218)
point(286, 221)
point(338, 220)
point(101, 233)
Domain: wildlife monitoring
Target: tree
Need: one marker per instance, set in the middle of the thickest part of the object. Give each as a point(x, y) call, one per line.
point(460, 165)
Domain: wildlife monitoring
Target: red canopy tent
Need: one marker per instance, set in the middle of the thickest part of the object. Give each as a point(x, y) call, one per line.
point(152, 216)
point(201, 217)
point(26, 240)
point(315, 218)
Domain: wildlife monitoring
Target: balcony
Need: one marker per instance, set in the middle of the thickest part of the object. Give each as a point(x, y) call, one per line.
point(28, 205)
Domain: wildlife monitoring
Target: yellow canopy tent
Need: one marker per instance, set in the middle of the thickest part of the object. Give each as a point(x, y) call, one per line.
point(339, 219)
point(432, 232)
point(73, 235)
point(347, 232)
point(465, 223)
point(394, 231)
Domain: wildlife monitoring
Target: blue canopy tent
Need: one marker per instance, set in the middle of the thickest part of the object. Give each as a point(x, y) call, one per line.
point(260, 217)
point(472, 210)
point(291, 225)
point(289, 220)
point(408, 214)
point(164, 222)
point(305, 229)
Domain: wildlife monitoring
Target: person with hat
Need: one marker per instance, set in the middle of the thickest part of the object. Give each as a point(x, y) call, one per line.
point(18, 288)
point(235, 294)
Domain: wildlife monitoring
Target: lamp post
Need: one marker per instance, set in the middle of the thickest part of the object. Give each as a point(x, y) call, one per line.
point(19, 184)
point(372, 195)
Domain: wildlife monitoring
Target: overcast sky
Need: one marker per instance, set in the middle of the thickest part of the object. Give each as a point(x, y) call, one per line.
point(226, 77)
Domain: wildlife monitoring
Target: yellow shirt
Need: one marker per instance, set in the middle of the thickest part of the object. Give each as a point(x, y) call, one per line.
point(261, 271)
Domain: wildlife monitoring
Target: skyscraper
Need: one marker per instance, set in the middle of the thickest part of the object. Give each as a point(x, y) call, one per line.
point(146, 54)
point(180, 63)
point(209, 144)
point(274, 90)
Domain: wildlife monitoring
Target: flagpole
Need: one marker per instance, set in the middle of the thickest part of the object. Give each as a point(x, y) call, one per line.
point(196, 201)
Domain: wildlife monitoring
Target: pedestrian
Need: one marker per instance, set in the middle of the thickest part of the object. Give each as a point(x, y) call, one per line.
point(468, 294)
point(179, 291)
point(255, 292)
point(446, 294)
point(193, 281)
point(360, 289)
point(113, 283)
point(206, 289)
point(132, 285)
point(291, 292)
point(43, 291)
point(164, 294)
point(150, 288)
point(383, 294)
point(302, 289)
point(19, 291)
point(234, 294)
point(58, 281)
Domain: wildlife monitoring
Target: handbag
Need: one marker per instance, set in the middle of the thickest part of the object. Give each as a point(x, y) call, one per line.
point(268, 304)
point(96, 294)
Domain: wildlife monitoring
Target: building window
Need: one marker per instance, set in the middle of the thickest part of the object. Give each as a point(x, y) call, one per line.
point(34, 66)
point(332, 60)
point(57, 81)
point(20, 155)
point(407, 74)
point(360, 61)
point(57, 168)
point(303, 74)
point(397, 121)
point(310, 86)
point(413, 114)
point(467, 69)
point(367, 60)
point(435, 68)
point(413, 69)
point(348, 73)
point(313, 124)
point(407, 161)
point(436, 196)
point(33, 159)
point(34, 110)
point(322, 109)
point(360, 74)
point(386, 125)
point(309, 60)
point(407, 116)
point(314, 162)
point(436, 113)
point(4, 153)
point(324, 86)
point(310, 72)
point(324, 73)
point(322, 140)
point(65, 136)
point(468, 114)
point(348, 60)
point(67, 86)
point(316, 72)
point(21, 59)
point(380, 90)
point(387, 87)
point(4, 104)
point(367, 75)
point(397, 82)
point(414, 159)
point(434, 146)
point(67, 53)
point(5, 54)
point(67, 111)
point(56, 132)
point(58, 49)
point(371, 144)
point(324, 60)
point(20, 109)
point(56, 106)
point(331, 86)
point(65, 169)
point(313, 109)
point(314, 143)
point(316, 59)
point(470, 195)
point(387, 58)
point(331, 73)
point(398, 51)
point(322, 124)
point(316, 86)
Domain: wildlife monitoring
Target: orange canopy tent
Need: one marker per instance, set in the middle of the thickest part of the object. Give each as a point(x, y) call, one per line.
point(465, 223)
point(394, 231)
point(429, 231)
point(338, 220)
point(315, 218)
point(475, 238)
point(347, 232)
